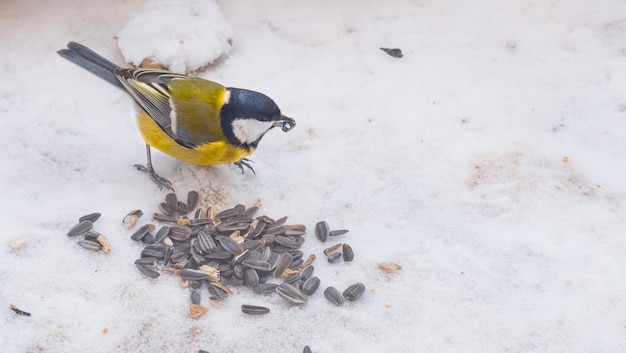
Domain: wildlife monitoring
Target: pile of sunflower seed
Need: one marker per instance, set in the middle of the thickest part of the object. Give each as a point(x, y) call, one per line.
point(91, 239)
point(234, 247)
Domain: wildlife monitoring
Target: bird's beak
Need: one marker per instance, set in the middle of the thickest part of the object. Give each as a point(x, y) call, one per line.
point(285, 123)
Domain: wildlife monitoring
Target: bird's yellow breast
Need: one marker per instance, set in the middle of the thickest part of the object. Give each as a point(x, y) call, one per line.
point(220, 152)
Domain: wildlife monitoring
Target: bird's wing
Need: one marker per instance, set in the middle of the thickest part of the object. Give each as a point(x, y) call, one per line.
point(190, 121)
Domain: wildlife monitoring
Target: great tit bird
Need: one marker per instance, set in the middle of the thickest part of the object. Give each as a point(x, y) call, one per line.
point(191, 119)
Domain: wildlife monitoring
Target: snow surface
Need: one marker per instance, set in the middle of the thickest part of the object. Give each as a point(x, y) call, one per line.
point(448, 161)
point(192, 35)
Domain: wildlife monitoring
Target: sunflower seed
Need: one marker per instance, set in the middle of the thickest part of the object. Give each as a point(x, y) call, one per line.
point(193, 274)
point(292, 279)
point(171, 200)
point(254, 309)
point(205, 242)
point(230, 245)
point(167, 209)
point(161, 234)
point(197, 256)
point(291, 293)
point(231, 212)
point(195, 296)
point(282, 263)
point(333, 296)
point(152, 253)
point(90, 245)
point(217, 293)
point(192, 200)
point(354, 292)
point(287, 242)
point(348, 254)
point(257, 265)
point(306, 273)
point(141, 232)
point(180, 257)
point(91, 235)
point(147, 261)
point(218, 255)
point(334, 257)
point(251, 211)
point(334, 233)
point(80, 228)
point(251, 278)
point(310, 285)
point(265, 288)
point(251, 244)
point(182, 208)
point(274, 231)
point(306, 349)
point(321, 231)
point(277, 223)
point(147, 271)
point(179, 233)
point(257, 229)
point(90, 217)
point(200, 221)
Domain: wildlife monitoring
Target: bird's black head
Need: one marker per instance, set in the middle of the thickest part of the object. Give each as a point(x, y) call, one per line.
point(247, 115)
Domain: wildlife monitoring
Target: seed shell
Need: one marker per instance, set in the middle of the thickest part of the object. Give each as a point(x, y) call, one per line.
point(80, 228)
point(106, 246)
point(334, 257)
point(18, 311)
point(195, 310)
point(254, 309)
point(332, 249)
point(131, 218)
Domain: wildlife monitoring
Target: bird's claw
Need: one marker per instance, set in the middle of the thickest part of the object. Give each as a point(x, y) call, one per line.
point(245, 162)
point(157, 179)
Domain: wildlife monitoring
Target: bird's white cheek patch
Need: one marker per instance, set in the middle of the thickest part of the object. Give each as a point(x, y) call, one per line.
point(250, 130)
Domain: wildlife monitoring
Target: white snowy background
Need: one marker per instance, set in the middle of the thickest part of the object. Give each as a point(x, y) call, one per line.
point(448, 161)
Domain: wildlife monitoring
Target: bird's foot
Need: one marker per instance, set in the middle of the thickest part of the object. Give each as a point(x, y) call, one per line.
point(157, 179)
point(245, 162)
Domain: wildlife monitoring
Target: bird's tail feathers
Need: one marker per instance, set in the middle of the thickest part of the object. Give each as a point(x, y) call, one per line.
point(91, 61)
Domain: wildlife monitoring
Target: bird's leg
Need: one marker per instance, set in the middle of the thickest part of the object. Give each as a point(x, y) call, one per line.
point(157, 179)
point(245, 162)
